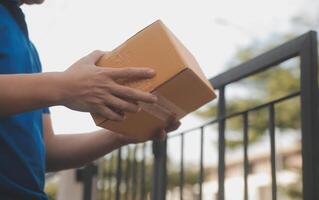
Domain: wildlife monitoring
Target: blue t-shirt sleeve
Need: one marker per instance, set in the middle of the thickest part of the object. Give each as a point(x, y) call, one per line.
point(46, 110)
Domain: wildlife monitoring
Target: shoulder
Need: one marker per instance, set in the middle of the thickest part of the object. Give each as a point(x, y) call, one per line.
point(9, 29)
point(13, 45)
point(6, 19)
point(17, 54)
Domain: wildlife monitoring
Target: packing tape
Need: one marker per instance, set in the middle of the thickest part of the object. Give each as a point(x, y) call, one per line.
point(163, 109)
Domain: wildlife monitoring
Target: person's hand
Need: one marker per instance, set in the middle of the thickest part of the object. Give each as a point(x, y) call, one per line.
point(95, 89)
point(173, 125)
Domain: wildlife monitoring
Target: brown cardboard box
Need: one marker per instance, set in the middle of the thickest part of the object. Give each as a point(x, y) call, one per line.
point(179, 84)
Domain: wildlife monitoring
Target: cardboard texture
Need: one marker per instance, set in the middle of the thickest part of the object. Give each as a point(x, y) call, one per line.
point(179, 84)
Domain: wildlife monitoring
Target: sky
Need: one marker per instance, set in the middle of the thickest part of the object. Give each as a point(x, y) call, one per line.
point(66, 30)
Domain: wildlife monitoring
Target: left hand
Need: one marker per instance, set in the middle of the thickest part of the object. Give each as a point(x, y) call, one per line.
point(160, 135)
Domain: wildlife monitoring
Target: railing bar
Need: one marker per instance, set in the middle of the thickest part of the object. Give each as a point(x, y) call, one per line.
point(236, 114)
point(110, 177)
point(201, 169)
point(127, 172)
point(103, 175)
point(164, 170)
point(273, 151)
point(118, 174)
point(292, 95)
point(143, 173)
point(246, 164)
point(221, 144)
point(101, 178)
point(181, 175)
point(309, 116)
point(134, 175)
point(264, 61)
point(159, 170)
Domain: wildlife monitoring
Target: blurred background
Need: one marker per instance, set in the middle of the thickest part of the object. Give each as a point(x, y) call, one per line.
point(221, 35)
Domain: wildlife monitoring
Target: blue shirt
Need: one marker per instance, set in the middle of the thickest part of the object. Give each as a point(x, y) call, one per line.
point(22, 150)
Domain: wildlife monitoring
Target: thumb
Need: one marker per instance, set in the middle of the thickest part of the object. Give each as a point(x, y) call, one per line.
point(94, 56)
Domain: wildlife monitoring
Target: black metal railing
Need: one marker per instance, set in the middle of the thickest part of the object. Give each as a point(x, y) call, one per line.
point(136, 172)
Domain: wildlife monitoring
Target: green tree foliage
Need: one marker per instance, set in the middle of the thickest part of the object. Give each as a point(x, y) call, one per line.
point(258, 89)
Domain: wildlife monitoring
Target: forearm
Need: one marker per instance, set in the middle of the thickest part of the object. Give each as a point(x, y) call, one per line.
point(25, 92)
point(75, 150)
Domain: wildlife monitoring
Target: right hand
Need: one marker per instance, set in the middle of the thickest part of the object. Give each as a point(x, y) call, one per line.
point(94, 89)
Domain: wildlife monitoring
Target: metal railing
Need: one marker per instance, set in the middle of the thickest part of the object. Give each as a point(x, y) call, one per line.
point(132, 177)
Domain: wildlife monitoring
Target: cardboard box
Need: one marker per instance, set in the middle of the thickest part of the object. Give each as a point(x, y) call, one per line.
point(179, 84)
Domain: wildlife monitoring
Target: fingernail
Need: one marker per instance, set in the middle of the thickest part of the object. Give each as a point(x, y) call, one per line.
point(139, 109)
point(151, 71)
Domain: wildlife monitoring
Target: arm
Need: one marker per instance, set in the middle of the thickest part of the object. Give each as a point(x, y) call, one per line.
point(83, 87)
point(25, 92)
point(66, 151)
point(74, 150)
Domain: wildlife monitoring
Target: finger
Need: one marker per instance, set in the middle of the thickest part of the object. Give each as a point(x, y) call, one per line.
point(172, 123)
point(94, 56)
point(133, 94)
point(173, 127)
point(122, 105)
point(110, 114)
point(132, 73)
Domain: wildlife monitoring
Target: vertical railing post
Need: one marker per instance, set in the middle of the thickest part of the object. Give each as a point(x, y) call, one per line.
point(118, 174)
point(181, 173)
point(221, 143)
point(134, 174)
point(309, 117)
point(110, 177)
point(159, 170)
point(271, 127)
point(143, 168)
point(86, 175)
point(127, 173)
point(101, 176)
point(246, 162)
point(201, 164)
